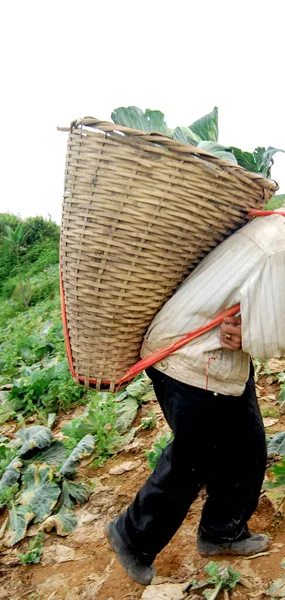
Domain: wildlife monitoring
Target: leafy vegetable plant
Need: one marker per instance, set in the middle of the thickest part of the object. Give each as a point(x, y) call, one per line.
point(222, 577)
point(203, 134)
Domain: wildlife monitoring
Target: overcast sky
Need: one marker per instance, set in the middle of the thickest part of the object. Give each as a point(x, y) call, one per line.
point(63, 60)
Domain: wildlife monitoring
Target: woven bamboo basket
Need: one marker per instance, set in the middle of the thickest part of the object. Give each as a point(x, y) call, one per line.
point(139, 212)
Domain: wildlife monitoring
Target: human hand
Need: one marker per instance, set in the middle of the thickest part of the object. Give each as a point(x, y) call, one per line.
point(230, 333)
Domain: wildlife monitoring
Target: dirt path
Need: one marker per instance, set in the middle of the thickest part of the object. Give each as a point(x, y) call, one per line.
point(82, 565)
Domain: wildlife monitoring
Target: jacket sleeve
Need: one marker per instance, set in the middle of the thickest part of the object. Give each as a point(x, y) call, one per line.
point(262, 300)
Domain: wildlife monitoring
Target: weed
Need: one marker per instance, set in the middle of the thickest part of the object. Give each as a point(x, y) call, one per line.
point(154, 454)
point(270, 412)
point(35, 550)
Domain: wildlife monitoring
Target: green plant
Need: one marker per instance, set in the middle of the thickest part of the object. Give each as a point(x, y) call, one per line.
point(35, 550)
point(154, 454)
point(46, 389)
point(148, 422)
point(270, 412)
point(35, 484)
point(7, 495)
point(14, 237)
point(203, 133)
point(99, 420)
point(222, 577)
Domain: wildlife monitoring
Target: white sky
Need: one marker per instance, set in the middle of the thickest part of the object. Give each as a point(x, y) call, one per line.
point(64, 59)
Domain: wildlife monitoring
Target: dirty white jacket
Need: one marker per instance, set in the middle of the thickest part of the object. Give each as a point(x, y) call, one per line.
point(247, 268)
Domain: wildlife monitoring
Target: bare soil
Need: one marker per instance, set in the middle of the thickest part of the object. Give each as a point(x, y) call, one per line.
point(83, 566)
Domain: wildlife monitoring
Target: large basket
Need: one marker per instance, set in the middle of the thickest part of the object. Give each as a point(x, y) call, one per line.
point(139, 212)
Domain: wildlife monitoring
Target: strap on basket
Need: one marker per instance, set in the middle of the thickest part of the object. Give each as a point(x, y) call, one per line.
point(158, 355)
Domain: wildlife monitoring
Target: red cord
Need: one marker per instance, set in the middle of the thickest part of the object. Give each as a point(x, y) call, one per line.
point(157, 356)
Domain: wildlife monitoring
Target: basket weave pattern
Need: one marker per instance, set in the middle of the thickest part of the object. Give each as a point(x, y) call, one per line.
point(139, 212)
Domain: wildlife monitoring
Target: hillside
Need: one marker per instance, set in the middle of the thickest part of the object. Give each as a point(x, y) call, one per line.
point(53, 515)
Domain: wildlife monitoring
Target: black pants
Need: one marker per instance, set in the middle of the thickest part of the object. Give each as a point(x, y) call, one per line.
point(219, 442)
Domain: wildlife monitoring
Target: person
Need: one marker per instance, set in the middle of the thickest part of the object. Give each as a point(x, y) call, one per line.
point(207, 394)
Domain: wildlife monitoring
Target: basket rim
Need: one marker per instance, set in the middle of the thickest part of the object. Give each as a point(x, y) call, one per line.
point(174, 146)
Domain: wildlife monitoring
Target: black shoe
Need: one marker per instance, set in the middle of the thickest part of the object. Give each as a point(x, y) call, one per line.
point(136, 570)
point(252, 545)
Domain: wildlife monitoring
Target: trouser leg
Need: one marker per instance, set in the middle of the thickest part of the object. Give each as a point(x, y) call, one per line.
point(237, 468)
point(218, 441)
point(163, 502)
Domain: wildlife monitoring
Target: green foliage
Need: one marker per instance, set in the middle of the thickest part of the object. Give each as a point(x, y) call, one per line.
point(158, 447)
point(35, 550)
point(29, 438)
point(277, 444)
point(7, 495)
point(46, 389)
point(63, 521)
point(126, 413)
point(203, 131)
point(23, 243)
point(206, 128)
point(222, 577)
point(135, 118)
point(7, 454)
point(148, 422)
point(260, 161)
point(78, 492)
point(31, 338)
point(278, 472)
point(99, 420)
point(11, 473)
point(84, 448)
point(19, 519)
point(40, 492)
point(275, 202)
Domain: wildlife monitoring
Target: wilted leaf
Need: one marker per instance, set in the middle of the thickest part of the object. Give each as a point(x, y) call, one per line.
point(84, 448)
point(11, 473)
point(78, 491)
point(277, 588)
point(54, 455)
point(127, 412)
point(64, 522)
point(277, 444)
point(20, 517)
point(40, 492)
point(207, 127)
point(32, 437)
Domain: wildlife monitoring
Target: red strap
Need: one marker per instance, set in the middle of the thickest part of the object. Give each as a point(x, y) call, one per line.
point(159, 354)
point(188, 337)
point(265, 213)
